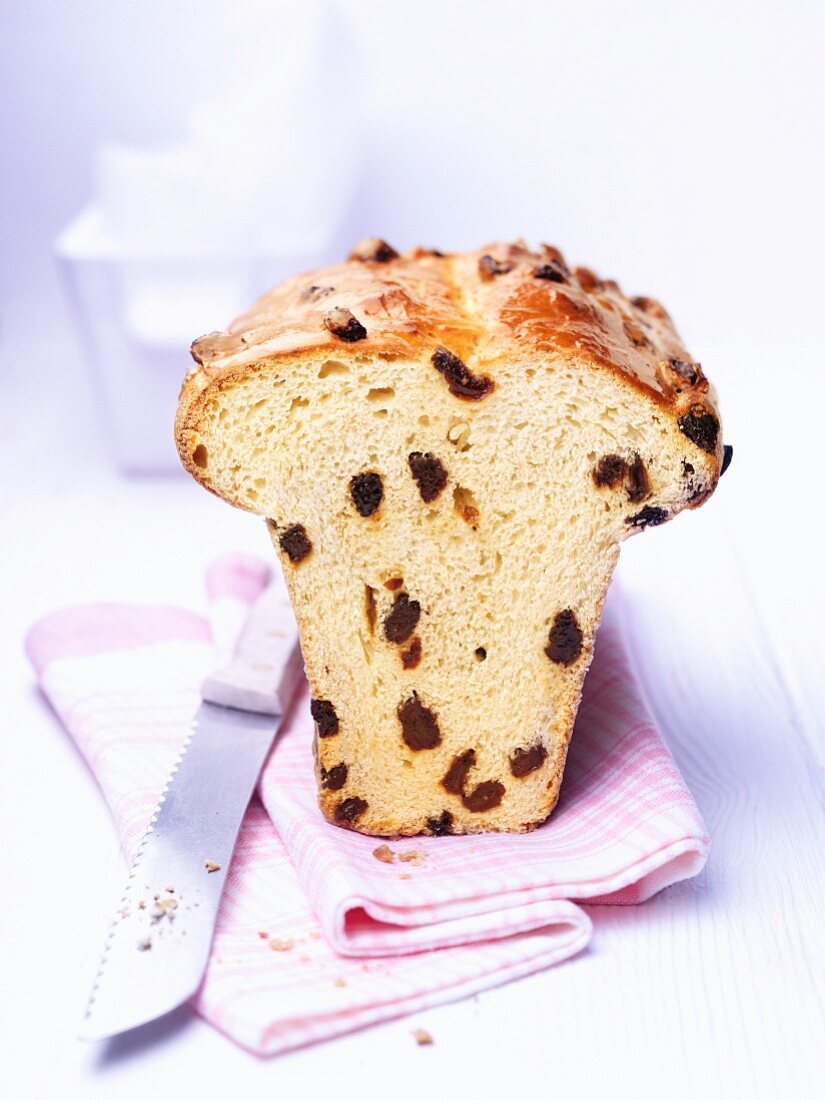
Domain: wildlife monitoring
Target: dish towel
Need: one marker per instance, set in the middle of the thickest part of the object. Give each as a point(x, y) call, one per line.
point(317, 934)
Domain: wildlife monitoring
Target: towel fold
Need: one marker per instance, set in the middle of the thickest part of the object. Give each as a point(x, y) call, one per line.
point(317, 935)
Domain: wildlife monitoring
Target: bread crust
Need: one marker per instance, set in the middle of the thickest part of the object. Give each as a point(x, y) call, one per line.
point(500, 301)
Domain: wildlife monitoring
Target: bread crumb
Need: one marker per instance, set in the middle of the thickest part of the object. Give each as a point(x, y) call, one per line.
point(264, 935)
point(170, 889)
point(211, 866)
point(315, 933)
point(280, 945)
point(422, 1037)
point(412, 857)
point(163, 909)
point(405, 875)
point(141, 904)
point(339, 982)
point(144, 944)
point(384, 854)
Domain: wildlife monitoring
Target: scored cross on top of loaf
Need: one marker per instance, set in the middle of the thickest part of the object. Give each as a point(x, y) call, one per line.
point(448, 451)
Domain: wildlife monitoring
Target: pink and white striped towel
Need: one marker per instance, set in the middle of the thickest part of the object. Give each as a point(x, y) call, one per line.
point(366, 940)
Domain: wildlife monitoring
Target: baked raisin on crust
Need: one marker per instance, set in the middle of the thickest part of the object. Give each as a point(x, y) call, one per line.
point(448, 450)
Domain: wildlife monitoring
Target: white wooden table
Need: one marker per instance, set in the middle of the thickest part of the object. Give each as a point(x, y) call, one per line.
point(714, 988)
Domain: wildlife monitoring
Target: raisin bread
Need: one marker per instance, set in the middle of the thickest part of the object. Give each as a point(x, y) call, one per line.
point(448, 451)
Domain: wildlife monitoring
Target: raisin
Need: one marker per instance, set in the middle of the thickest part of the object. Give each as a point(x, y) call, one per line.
point(638, 483)
point(394, 583)
point(349, 810)
point(488, 267)
point(456, 778)
point(295, 543)
point(691, 372)
point(635, 335)
point(552, 271)
point(525, 761)
point(650, 516)
point(419, 725)
point(442, 825)
point(344, 324)
point(565, 642)
point(687, 468)
point(461, 380)
point(486, 796)
point(640, 301)
point(411, 656)
point(373, 250)
point(609, 471)
point(402, 619)
point(313, 293)
point(726, 458)
point(324, 716)
point(367, 492)
point(429, 474)
point(466, 506)
point(554, 255)
point(701, 427)
point(335, 778)
point(369, 607)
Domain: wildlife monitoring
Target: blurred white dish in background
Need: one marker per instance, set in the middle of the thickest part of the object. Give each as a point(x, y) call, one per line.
point(179, 239)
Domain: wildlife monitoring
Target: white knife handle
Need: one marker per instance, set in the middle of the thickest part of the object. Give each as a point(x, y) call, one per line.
point(266, 668)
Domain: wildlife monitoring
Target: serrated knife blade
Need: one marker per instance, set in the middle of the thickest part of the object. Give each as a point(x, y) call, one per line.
point(158, 944)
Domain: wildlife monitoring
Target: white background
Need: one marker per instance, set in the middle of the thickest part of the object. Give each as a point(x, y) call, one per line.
point(676, 147)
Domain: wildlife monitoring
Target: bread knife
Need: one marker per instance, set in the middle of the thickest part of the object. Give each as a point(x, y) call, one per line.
point(158, 944)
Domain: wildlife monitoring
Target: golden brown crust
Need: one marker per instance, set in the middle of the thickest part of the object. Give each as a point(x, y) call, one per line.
point(490, 305)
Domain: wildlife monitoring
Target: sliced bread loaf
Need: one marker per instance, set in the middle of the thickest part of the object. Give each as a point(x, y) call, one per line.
point(448, 451)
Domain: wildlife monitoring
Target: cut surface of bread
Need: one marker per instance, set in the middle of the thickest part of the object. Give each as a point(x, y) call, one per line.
point(448, 452)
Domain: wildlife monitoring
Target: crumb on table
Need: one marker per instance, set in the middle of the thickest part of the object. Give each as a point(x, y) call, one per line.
point(163, 908)
point(211, 866)
point(422, 1037)
point(412, 857)
point(276, 944)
